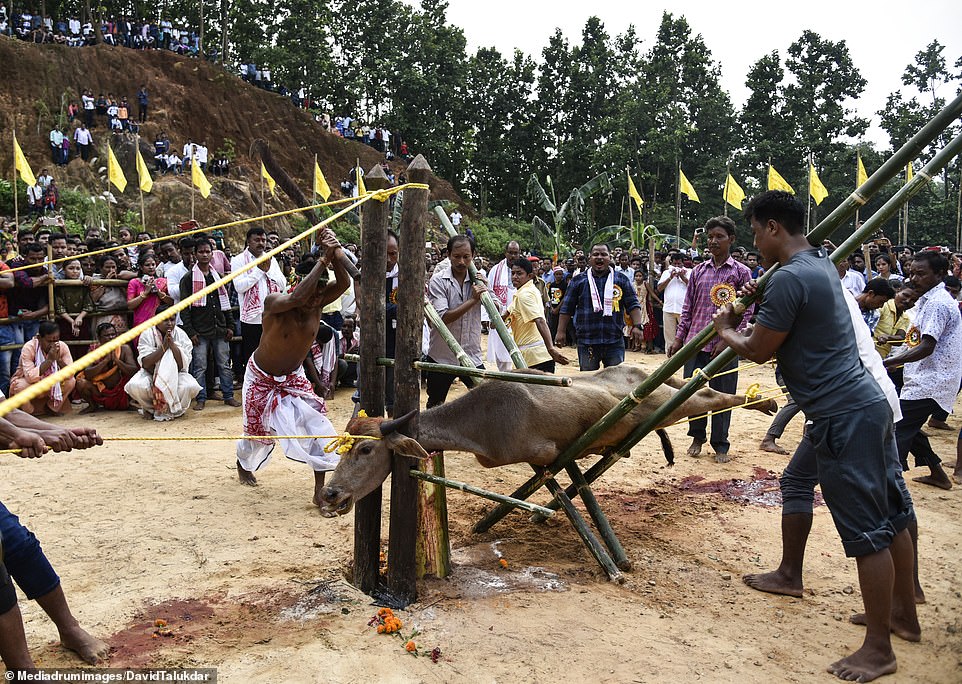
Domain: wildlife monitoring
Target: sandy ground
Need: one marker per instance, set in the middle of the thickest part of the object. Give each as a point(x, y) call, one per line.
point(250, 581)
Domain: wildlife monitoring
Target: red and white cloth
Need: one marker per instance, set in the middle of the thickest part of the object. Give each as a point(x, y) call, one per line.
point(502, 291)
point(283, 405)
point(198, 283)
point(599, 306)
point(254, 285)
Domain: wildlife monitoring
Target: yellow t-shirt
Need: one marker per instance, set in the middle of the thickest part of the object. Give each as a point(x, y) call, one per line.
point(526, 308)
point(888, 323)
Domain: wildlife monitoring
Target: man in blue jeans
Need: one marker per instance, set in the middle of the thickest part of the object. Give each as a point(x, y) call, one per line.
point(210, 324)
point(597, 299)
point(24, 561)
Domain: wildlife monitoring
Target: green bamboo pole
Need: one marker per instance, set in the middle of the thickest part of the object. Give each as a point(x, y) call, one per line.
point(496, 321)
point(434, 318)
point(840, 215)
point(870, 226)
point(484, 493)
point(483, 373)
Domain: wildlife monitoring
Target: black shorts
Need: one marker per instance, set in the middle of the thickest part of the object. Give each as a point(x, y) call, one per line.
point(8, 595)
point(861, 478)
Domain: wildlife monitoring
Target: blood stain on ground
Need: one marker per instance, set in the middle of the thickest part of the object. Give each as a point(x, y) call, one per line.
point(761, 489)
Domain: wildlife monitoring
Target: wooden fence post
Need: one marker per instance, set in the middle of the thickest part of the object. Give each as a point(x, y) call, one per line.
point(402, 549)
point(370, 300)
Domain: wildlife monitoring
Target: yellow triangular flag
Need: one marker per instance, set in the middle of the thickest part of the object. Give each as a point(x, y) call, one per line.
point(361, 190)
point(776, 182)
point(114, 173)
point(143, 174)
point(860, 176)
point(734, 194)
point(685, 188)
point(270, 180)
point(815, 187)
point(21, 165)
point(909, 172)
point(321, 188)
point(198, 178)
point(633, 192)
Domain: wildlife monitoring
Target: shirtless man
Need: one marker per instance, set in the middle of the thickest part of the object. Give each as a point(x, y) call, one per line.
point(278, 397)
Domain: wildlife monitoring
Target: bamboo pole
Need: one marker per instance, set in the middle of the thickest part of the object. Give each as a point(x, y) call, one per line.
point(841, 214)
point(143, 213)
point(370, 299)
point(484, 493)
point(677, 203)
point(16, 198)
point(415, 530)
point(808, 194)
point(496, 321)
point(823, 230)
point(50, 310)
point(192, 188)
point(482, 373)
point(958, 215)
point(434, 318)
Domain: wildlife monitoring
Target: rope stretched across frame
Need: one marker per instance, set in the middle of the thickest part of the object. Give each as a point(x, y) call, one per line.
point(44, 385)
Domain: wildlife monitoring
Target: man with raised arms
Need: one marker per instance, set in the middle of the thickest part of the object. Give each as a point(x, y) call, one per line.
point(805, 322)
point(278, 397)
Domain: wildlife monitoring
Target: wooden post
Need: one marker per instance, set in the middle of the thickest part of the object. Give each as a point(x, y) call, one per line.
point(403, 542)
point(50, 313)
point(370, 300)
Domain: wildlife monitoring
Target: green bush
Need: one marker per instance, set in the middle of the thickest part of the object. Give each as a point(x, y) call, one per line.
point(492, 234)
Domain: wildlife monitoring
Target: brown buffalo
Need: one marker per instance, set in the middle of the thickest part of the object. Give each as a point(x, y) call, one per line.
point(504, 422)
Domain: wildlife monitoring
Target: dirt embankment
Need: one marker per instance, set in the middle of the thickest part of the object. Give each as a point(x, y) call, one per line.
point(189, 99)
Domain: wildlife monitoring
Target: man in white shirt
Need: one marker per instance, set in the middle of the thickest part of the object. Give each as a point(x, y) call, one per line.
point(456, 219)
point(673, 285)
point(252, 289)
point(84, 140)
point(933, 347)
point(502, 291)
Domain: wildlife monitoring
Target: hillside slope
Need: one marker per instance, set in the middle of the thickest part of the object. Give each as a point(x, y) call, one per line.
point(188, 99)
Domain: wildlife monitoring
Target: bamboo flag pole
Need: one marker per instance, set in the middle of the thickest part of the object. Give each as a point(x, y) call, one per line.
point(677, 203)
point(728, 174)
point(857, 157)
point(808, 192)
point(143, 213)
point(110, 220)
point(193, 188)
point(958, 215)
point(16, 202)
point(631, 214)
point(51, 308)
point(314, 182)
point(262, 190)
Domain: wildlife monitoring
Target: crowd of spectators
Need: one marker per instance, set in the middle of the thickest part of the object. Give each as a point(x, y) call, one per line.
point(142, 34)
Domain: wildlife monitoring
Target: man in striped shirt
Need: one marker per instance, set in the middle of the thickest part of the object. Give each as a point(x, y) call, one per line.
point(718, 277)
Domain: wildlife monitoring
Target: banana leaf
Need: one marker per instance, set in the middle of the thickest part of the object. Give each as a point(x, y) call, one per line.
point(538, 194)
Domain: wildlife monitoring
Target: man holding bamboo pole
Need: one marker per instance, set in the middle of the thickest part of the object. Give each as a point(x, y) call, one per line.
point(805, 322)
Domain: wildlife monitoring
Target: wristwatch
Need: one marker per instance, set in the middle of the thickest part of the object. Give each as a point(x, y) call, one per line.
point(639, 326)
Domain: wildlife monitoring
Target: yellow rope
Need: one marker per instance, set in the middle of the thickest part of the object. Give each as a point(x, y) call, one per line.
point(379, 195)
point(339, 441)
point(715, 413)
point(744, 366)
point(44, 385)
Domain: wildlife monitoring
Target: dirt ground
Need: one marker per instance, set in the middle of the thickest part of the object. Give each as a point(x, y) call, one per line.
point(251, 581)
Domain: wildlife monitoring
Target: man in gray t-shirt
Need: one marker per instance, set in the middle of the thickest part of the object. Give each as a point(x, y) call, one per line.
point(804, 321)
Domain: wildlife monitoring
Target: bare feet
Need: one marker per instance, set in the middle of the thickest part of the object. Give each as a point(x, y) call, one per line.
point(774, 583)
point(695, 449)
point(722, 457)
point(899, 627)
point(935, 480)
point(91, 408)
point(768, 444)
point(91, 649)
point(939, 424)
point(245, 476)
point(864, 665)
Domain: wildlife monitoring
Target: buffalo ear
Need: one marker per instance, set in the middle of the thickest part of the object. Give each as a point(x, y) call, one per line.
point(406, 446)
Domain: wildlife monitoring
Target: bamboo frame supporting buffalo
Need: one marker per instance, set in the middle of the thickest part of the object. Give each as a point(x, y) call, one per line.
point(841, 214)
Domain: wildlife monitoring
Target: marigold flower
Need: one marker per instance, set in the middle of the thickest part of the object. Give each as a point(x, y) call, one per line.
point(410, 647)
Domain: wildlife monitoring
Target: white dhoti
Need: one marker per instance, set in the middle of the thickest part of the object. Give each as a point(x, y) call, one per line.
point(166, 394)
point(283, 405)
